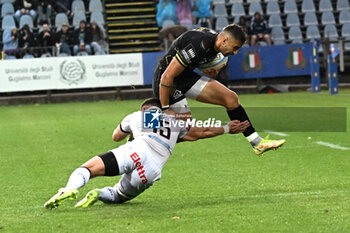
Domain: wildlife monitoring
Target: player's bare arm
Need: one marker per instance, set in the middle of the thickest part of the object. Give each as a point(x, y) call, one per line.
point(167, 81)
point(233, 127)
point(118, 135)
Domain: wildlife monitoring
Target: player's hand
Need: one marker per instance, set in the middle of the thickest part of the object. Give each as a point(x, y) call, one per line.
point(236, 126)
point(170, 112)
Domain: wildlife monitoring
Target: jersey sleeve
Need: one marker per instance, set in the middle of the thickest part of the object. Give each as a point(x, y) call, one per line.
point(126, 123)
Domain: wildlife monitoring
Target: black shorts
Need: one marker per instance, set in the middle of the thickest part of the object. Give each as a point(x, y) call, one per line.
point(182, 83)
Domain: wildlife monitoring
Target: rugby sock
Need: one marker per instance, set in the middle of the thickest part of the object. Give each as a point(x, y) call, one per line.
point(78, 178)
point(250, 133)
point(107, 195)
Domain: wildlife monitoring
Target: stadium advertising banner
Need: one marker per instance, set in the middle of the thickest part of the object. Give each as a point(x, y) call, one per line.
point(71, 72)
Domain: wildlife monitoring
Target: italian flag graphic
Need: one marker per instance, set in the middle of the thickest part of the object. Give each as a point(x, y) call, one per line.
point(252, 60)
point(296, 57)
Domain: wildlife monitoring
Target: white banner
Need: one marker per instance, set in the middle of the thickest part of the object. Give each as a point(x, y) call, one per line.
point(71, 72)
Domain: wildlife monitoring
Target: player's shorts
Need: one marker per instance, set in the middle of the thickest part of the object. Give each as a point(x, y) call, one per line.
point(139, 167)
point(187, 84)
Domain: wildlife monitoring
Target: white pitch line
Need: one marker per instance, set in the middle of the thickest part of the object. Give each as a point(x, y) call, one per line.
point(276, 133)
point(332, 145)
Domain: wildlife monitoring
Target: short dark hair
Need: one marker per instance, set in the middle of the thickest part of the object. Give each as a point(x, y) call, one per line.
point(153, 101)
point(236, 31)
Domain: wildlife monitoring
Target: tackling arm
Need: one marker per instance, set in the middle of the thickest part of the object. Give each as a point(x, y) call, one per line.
point(118, 134)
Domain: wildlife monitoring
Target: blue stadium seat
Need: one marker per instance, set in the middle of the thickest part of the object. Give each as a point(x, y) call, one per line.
point(295, 34)
point(95, 5)
point(221, 23)
point(60, 19)
point(271, 0)
point(219, 2)
point(330, 31)
point(308, 6)
point(255, 7)
point(220, 10)
point(344, 17)
point(327, 18)
point(272, 8)
point(168, 23)
point(343, 5)
point(26, 20)
point(277, 35)
point(312, 32)
point(250, 1)
point(28, 56)
point(98, 18)
point(237, 10)
point(235, 1)
point(6, 1)
point(78, 6)
point(10, 57)
point(77, 17)
point(236, 19)
point(310, 19)
point(8, 22)
point(345, 30)
point(7, 9)
point(275, 21)
point(325, 5)
point(292, 20)
point(290, 7)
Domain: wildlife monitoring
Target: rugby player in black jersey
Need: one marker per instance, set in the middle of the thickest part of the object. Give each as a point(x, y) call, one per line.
point(175, 80)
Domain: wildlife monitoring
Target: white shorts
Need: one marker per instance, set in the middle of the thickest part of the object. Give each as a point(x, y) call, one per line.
point(182, 105)
point(140, 170)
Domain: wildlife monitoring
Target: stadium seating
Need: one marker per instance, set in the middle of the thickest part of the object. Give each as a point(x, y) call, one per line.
point(272, 8)
point(168, 23)
point(7, 9)
point(219, 2)
point(312, 32)
point(78, 6)
point(255, 7)
point(60, 19)
point(344, 17)
point(220, 10)
point(277, 35)
point(330, 31)
point(310, 19)
point(95, 5)
point(345, 32)
point(77, 17)
point(98, 18)
point(8, 22)
point(26, 20)
point(325, 5)
point(28, 56)
point(290, 7)
point(308, 6)
point(327, 18)
point(237, 10)
point(235, 1)
point(295, 34)
point(221, 23)
point(292, 20)
point(275, 21)
point(343, 5)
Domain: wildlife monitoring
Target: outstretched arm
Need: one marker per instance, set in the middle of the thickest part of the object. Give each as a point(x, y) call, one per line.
point(119, 135)
point(233, 127)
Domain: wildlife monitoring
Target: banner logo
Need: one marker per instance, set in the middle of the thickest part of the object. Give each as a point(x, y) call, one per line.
point(151, 119)
point(295, 59)
point(72, 72)
point(252, 61)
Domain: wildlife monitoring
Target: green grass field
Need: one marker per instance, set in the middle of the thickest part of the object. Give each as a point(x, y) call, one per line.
point(213, 185)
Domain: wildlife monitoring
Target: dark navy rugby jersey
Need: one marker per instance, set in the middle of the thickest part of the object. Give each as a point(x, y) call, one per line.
point(192, 48)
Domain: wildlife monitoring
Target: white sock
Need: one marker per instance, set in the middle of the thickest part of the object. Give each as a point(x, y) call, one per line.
point(78, 178)
point(107, 195)
point(254, 139)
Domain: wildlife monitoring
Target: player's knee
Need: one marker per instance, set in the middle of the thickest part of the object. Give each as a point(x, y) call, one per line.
point(266, 36)
point(231, 100)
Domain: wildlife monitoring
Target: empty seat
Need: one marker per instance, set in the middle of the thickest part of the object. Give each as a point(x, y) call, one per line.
point(6, 1)
point(312, 32)
point(294, 33)
point(250, 1)
point(345, 30)
point(308, 6)
point(168, 23)
point(275, 21)
point(221, 23)
point(292, 20)
point(220, 10)
point(95, 5)
point(343, 5)
point(272, 8)
point(10, 57)
point(28, 56)
point(271, 0)
point(235, 1)
point(255, 7)
point(277, 35)
point(60, 19)
point(325, 5)
point(78, 6)
point(344, 17)
point(8, 22)
point(97, 17)
point(290, 7)
point(330, 31)
point(7, 9)
point(218, 2)
point(26, 20)
point(237, 10)
point(310, 19)
point(77, 17)
point(236, 19)
point(327, 18)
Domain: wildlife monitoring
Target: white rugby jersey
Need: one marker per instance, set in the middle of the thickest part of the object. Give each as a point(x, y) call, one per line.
point(161, 140)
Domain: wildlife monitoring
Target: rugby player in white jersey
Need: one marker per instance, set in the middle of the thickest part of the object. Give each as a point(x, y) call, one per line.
point(140, 161)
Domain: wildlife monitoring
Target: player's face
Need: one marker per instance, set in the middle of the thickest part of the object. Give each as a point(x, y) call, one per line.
point(230, 46)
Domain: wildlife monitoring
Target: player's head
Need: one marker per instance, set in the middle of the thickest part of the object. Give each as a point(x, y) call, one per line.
point(231, 39)
point(147, 103)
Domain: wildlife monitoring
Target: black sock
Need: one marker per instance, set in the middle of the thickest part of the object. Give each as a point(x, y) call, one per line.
point(240, 114)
